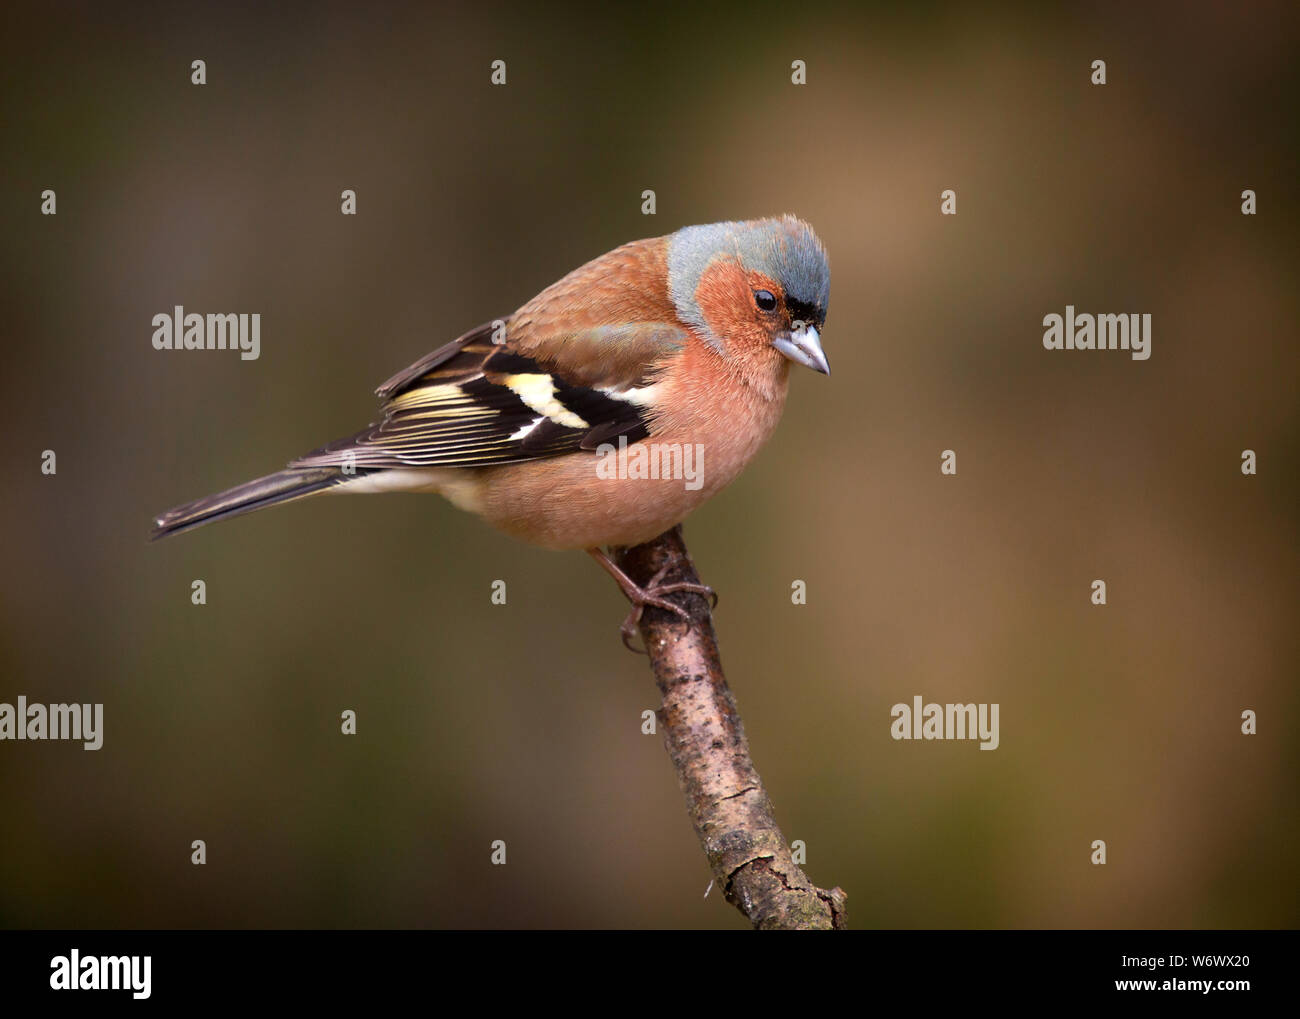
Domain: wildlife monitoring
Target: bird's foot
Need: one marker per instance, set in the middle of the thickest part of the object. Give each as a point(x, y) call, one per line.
point(652, 593)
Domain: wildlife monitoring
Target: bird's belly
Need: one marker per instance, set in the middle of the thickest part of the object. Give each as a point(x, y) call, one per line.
point(622, 495)
point(566, 503)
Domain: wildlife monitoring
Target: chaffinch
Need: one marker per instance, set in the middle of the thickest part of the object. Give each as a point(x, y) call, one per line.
point(600, 413)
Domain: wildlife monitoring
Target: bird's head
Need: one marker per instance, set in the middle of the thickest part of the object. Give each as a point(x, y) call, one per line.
point(753, 290)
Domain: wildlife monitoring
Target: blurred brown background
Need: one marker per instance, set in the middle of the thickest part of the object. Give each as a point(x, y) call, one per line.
point(522, 722)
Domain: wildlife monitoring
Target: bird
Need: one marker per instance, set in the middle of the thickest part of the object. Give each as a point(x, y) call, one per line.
point(603, 411)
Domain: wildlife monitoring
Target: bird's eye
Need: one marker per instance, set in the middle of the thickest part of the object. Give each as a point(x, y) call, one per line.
point(765, 300)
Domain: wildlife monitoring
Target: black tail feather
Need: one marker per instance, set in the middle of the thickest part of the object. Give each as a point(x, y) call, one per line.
point(282, 486)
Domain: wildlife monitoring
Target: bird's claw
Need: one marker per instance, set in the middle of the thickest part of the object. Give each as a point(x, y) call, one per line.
point(653, 594)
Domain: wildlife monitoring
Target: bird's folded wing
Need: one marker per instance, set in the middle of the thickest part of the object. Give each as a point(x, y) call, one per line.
point(476, 403)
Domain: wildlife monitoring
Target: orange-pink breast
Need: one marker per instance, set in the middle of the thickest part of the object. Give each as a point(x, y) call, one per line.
point(571, 502)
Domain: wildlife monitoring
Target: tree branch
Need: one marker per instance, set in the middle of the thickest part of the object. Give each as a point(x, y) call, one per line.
point(729, 807)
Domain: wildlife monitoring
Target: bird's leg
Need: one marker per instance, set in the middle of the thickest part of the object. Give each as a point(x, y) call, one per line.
point(652, 594)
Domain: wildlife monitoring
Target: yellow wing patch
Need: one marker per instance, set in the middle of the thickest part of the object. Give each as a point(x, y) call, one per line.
point(538, 392)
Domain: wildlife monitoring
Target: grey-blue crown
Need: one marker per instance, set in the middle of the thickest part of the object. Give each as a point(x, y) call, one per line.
point(785, 249)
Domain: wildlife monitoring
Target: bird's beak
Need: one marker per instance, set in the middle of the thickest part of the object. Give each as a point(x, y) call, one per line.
point(803, 346)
